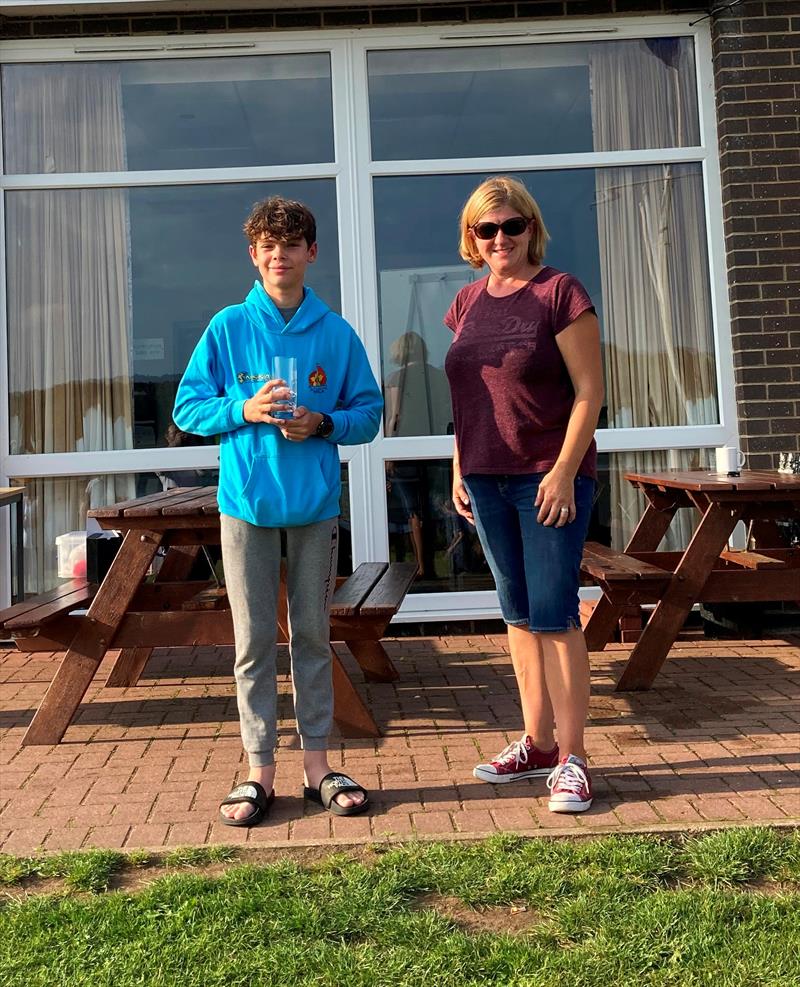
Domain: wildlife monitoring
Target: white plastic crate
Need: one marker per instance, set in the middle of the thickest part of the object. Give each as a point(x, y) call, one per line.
point(71, 548)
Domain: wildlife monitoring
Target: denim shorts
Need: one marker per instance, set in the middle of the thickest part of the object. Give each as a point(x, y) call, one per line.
point(536, 567)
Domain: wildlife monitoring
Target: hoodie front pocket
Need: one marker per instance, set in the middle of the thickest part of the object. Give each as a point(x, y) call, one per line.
point(285, 490)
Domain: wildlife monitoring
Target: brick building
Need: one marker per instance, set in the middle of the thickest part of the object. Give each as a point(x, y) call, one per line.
point(661, 140)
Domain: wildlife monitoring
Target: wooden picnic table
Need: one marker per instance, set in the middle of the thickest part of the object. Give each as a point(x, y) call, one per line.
point(131, 613)
point(706, 571)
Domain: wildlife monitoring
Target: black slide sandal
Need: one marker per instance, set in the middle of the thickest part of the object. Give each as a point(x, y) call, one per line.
point(334, 784)
point(255, 795)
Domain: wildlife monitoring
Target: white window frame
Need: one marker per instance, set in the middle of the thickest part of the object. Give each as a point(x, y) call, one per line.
point(353, 172)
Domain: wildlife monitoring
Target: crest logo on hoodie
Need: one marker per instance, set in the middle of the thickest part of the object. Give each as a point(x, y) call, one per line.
point(318, 379)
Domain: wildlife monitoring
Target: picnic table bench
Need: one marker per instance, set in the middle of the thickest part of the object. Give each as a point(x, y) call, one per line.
point(131, 614)
point(706, 571)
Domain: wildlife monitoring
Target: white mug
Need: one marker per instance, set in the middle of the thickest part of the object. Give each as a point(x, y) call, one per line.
point(730, 460)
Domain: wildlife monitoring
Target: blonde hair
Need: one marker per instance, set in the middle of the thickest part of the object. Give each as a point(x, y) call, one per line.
point(492, 194)
point(408, 348)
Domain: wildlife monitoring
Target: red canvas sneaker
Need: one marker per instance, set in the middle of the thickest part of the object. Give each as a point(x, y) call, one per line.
point(519, 760)
point(570, 786)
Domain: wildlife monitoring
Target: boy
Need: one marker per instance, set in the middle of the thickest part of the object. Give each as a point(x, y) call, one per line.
point(281, 473)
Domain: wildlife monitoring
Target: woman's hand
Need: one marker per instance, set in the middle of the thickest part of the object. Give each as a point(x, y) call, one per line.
point(556, 498)
point(266, 401)
point(461, 499)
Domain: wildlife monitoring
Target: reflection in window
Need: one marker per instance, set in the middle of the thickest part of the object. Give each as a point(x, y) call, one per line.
point(176, 438)
point(417, 395)
point(587, 96)
point(97, 347)
point(165, 114)
point(424, 528)
point(414, 340)
point(619, 505)
point(635, 237)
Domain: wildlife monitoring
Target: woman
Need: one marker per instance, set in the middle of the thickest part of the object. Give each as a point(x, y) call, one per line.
point(526, 382)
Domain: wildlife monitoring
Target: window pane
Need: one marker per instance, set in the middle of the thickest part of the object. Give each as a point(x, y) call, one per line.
point(424, 528)
point(56, 505)
point(635, 237)
point(619, 505)
point(98, 343)
point(171, 113)
point(659, 331)
point(587, 96)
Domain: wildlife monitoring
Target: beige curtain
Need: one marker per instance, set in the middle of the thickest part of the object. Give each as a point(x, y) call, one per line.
point(68, 290)
point(659, 347)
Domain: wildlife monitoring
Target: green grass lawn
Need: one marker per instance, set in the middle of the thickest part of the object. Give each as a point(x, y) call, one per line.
point(717, 910)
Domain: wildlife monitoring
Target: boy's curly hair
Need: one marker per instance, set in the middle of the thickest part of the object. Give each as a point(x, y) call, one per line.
point(283, 219)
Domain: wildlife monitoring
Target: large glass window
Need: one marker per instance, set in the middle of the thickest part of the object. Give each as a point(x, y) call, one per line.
point(173, 113)
point(589, 96)
point(635, 237)
point(112, 274)
point(100, 335)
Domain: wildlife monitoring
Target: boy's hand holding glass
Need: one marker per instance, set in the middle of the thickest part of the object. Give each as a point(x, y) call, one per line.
point(275, 402)
point(302, 425)
point(274, 399)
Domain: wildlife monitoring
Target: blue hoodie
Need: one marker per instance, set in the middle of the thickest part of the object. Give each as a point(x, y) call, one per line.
point(264, 478)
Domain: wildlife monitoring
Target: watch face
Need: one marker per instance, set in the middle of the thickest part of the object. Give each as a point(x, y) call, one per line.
point(325, 427)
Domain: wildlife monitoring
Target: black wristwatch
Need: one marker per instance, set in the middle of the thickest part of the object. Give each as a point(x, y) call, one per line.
point(325, 427)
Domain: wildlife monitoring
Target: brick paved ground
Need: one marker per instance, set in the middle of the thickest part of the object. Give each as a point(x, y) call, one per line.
point(717, 741)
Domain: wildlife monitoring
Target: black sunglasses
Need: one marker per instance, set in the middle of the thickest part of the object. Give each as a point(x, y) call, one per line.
point(511, 227)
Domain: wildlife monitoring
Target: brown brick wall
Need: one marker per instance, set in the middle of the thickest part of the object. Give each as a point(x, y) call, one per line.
point(756, 48)
point(757, 72)
point(350, 15)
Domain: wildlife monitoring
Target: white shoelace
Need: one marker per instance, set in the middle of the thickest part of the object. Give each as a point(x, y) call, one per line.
point(518, 750)
point(569, 778)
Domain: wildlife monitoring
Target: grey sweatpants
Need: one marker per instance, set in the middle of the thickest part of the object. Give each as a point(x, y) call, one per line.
point(252, 557)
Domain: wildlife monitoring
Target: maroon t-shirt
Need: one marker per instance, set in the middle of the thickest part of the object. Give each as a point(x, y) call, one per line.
point(512, 394)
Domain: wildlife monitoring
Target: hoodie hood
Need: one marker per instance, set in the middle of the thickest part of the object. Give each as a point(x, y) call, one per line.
point(262, 311)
